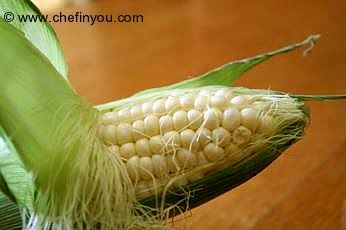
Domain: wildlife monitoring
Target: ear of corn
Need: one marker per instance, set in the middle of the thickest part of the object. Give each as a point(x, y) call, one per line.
point(209, 137)
point(91, 167)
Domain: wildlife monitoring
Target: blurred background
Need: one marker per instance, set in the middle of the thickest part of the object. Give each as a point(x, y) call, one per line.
point(305, 188)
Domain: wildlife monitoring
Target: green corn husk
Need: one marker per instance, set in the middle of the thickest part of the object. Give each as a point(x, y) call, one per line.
point(56, 169)
point(10, 214)
point(40, 34)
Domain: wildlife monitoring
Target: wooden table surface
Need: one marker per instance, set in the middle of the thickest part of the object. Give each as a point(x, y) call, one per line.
point(305, 188)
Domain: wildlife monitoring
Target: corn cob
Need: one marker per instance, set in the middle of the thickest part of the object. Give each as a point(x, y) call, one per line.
point(188, 132)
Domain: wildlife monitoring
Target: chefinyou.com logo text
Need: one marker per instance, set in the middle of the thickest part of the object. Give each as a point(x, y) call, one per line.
point(77, 17)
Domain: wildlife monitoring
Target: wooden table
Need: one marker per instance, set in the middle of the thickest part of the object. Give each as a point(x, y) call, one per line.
point(305, 188)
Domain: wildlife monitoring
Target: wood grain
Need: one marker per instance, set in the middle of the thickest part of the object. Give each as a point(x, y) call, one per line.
point(319, 199)
point(304, 188)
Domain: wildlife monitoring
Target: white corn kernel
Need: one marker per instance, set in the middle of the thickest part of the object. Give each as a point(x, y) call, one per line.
point(110, 134)
point(218, 101)
point(231, 119)
point(151, 125)
point(204, 92)
point(213, 152)
point(124, 114)
point(160, 165)
point(232, 149)
point(138, 130)
point(203, 136)
point(221, 136)
point(201, 102)
point(224, 92)
point(186, 159)
point(109, 118)
point(241, 135)
point(166, 123)
point(172, 140)
point(249, 118)
point(156, 144)
point(211, 119)
point(146, 168)
point(201, 159)
point(172, 104)
point(127, 150)
point(218, 113)
point(189, 140)
point(132, 166)
point(159, 106)
point(124, 133)
point(195, 118)
point(147, 108)
point(187, 101)
point(143, 148)
point(136, 112)
point(239, 101)
point(180, 120)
